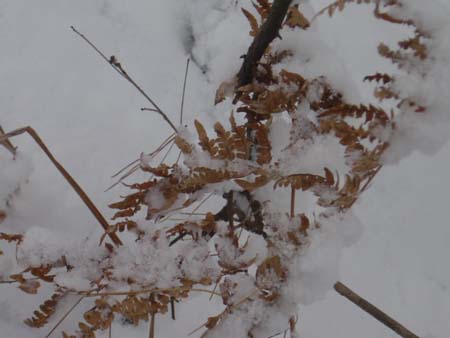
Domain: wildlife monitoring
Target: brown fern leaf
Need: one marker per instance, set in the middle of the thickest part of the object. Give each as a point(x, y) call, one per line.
point(46, 310)
point(420, 50)
point(366, 160)
point(128, 224)
point(264, 101)
point(100, 317)
point(278, 56)
point(41, 272)
point(262, 144)
point(350, 110)
point(30, 286)
point(259, 182)
point(2, 215)
point(301, 181)
point(85, 331)
point(165, 190)
point(133, 309)
point(11, 237)
point(130, 204)
point(205, 143)
point(329, 178)
point(222, 141)
point(263, 7)
point(339, 5)
point(239, 143)
point(253, 22)
point(202, 176)
point(295, 18)
point(329, 98)
point(183, 145)
point(379, 77)
point(163, 170)
point(292, 78)
point(388, 17)
point(141, 186)
point(395, 56)
point(349, 192)
point(347, 134)
point(384, 93)
point(272, 267)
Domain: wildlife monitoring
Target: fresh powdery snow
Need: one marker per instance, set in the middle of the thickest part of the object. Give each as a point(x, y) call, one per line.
point(393, 247)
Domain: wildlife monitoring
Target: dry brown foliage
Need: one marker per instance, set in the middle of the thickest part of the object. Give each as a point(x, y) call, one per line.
point(244, 153)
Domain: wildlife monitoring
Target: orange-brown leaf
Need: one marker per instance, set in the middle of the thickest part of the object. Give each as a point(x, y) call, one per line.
point(296, 19)
point(253, 22)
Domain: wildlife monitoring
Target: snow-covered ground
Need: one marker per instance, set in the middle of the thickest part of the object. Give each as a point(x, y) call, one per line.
point(91, 120)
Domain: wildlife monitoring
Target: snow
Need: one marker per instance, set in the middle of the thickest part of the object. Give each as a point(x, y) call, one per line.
point(90, 119)
point(15, 172)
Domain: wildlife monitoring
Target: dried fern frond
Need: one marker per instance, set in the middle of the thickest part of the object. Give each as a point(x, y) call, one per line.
point(46, 310)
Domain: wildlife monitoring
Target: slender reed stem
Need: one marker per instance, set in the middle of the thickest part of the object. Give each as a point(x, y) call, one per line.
point(119, 69)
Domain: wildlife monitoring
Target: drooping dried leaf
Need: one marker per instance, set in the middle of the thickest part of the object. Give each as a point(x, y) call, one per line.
point(263, 7)
point(259, 182)
point(225, 89)
point(30, 286)
point(296, 19)
point(203, 137)
point(183, 145)
point(269, 265)
point(212, 322)
point(46, 310)
point(10, 237)
point(379, 77)
point(300, 181)
point(253, 22)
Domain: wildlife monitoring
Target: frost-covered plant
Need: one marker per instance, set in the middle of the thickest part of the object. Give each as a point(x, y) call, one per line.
point(291, 137)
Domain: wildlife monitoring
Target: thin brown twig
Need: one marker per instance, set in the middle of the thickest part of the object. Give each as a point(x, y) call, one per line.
point(215, 286)
point(84, 197)
point(135, 167)
point(16, 281)
point(373, 311)
point(227, 309)
point(149, 109)
point(137, 292)
point(292, 202)
point(112, 61)
point(125, 168)
point(160, 147)
point(151, 331)
point(172, 307)
point(184, 90)
point(8, 281)
point(7, 143)
point(64, 316)
point(279, 333)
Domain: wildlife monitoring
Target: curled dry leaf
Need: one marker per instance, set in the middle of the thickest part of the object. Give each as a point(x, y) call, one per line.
point(296, 19)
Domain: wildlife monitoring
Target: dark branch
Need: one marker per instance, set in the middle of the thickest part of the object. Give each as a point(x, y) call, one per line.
point(268, 32)
point(374, 311)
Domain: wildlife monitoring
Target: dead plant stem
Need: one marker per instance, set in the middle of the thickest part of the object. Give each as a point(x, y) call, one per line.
point(112, 61)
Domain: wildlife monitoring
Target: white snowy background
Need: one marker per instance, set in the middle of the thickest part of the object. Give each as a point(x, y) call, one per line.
point(90, 119)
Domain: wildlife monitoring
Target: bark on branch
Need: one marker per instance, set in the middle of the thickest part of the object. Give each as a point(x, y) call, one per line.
point(373, 311)
point(268, 32)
